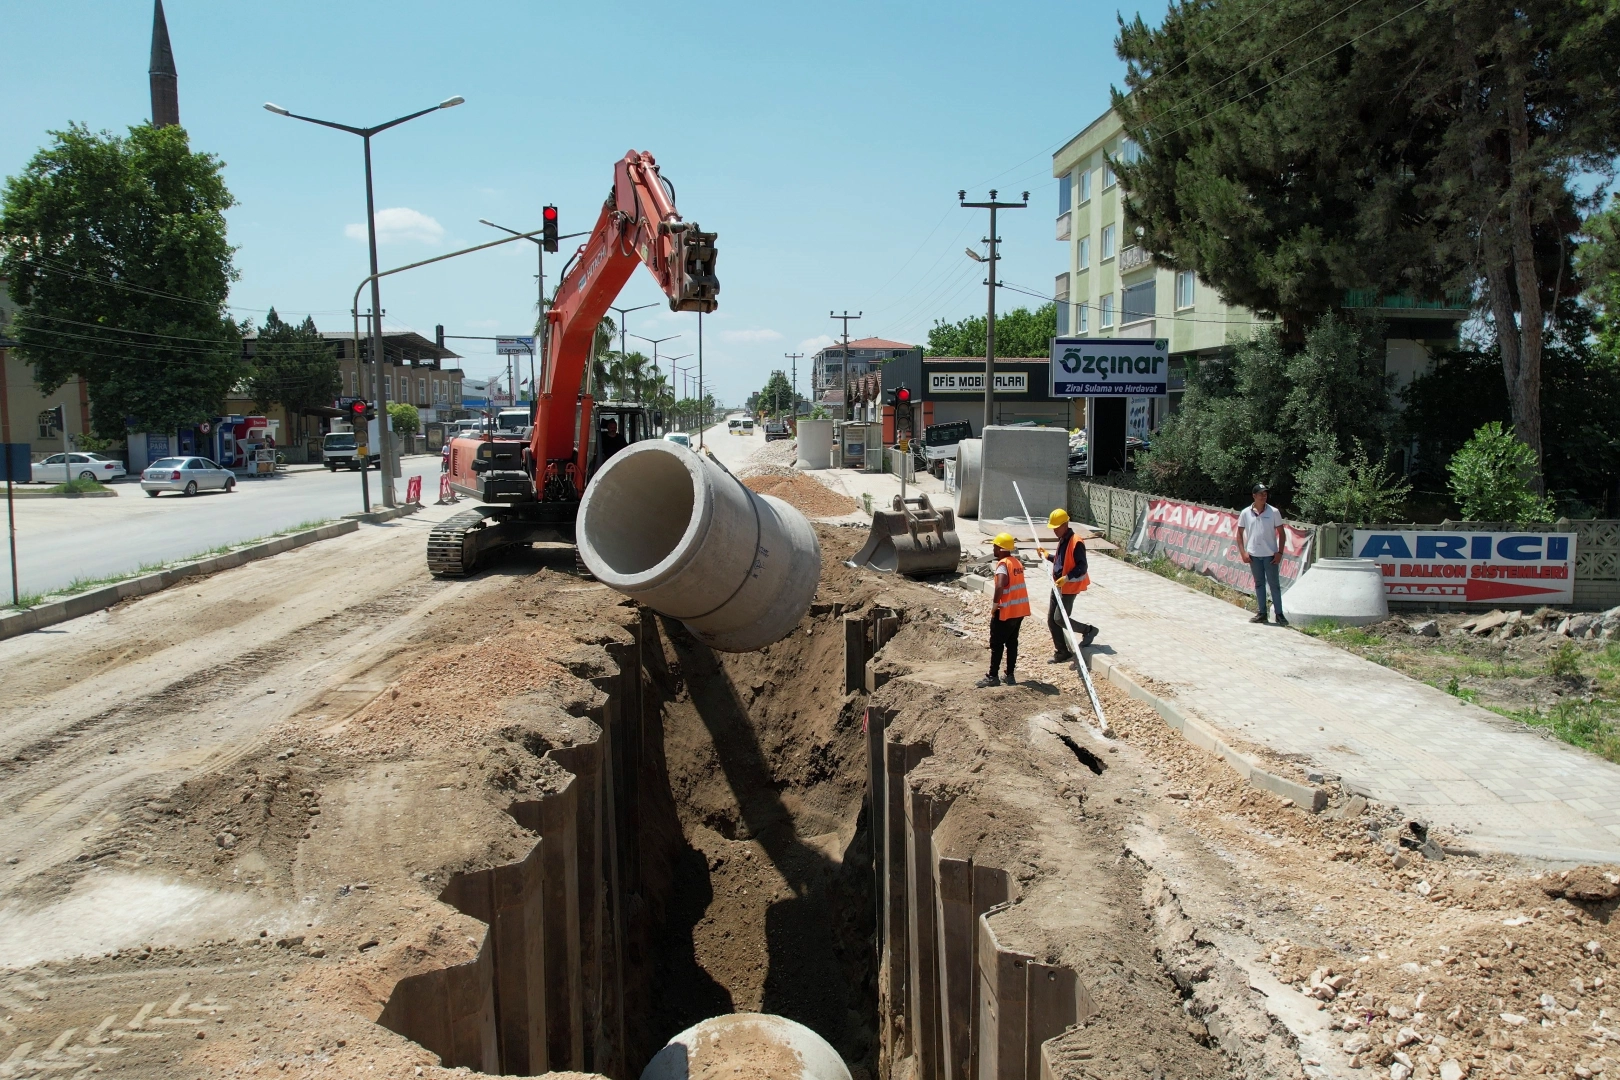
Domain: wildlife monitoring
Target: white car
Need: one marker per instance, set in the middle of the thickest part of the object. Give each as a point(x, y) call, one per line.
point(79, 467)
point(680, 438)
point(187, 475)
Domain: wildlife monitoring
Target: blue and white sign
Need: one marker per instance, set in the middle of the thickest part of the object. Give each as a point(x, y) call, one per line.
point(1110, 367)
point(1472, 567)
point(514, 346)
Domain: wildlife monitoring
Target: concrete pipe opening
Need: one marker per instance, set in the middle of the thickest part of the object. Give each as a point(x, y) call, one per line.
point(677, 532)
point(747, 1046)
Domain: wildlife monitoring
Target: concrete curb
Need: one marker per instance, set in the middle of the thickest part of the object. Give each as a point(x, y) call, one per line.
point(108, 494)
point(1202, 735)
point(377, 517)
point(59, 611)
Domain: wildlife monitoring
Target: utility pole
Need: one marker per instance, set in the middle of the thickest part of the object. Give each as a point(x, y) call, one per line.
point(795, 357)
point(846, 316)
point(990, 311)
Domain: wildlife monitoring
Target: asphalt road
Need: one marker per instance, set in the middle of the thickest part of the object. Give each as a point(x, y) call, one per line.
point(60, 540)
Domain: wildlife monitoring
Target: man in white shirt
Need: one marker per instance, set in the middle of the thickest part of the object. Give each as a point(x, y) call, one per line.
point(1260, 544)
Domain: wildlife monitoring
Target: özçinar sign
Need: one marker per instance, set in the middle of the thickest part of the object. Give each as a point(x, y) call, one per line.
point(1472, 567)
point(1110, 367)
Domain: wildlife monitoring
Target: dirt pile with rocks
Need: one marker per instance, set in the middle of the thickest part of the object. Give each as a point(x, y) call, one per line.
point(810, 497)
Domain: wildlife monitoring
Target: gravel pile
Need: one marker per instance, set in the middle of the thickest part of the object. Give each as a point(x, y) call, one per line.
point(810, 497)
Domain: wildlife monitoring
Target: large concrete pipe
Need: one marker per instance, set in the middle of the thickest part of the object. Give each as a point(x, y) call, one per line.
point(815, 444)
point(679, 533)
point(969, 454)
point(747, 1046)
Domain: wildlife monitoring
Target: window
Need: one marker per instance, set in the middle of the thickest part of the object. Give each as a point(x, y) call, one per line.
point(1186, 293)
point(1139, 302)
point(1108, 242)
point(1085, 186)
point(388, 384)
point(1083, 256)
point(1107, 318)
point(1129, 152)
point(421, 391)
point(1065, 191)
point(1063, 319)
point(1085, 319)
point(354, 383)
point(1108, 176)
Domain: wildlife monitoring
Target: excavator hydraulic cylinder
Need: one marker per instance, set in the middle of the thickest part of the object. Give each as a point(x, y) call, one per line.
point(747, 1046)
point(680, 534)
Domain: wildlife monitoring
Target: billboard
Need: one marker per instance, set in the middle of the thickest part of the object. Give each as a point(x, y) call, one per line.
point(1472, 567)
point(1204, 539)
point(1110, 367)
point(972, 382)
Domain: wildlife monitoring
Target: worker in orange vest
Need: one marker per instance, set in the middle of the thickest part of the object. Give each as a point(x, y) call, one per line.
point(1009, 606)
point(1070, 575)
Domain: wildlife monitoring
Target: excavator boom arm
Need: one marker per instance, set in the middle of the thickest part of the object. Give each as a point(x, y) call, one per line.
point(638, 224)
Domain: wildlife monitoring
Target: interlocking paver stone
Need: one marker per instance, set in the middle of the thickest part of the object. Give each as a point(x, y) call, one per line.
point(1463, 768)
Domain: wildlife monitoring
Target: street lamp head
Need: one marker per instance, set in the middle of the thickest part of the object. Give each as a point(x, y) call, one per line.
point(486, 221)
point(975, 256)
point(451, 102)
point(271, 106)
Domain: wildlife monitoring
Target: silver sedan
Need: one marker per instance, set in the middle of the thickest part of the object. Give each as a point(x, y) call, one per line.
point(186, 474)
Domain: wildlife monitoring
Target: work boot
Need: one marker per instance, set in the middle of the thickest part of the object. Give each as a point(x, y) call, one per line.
point(1260, 618)
point(1281, 621)
point(1009, 680)
point(987, 681)
point(1088, 637)
point(1062, 657)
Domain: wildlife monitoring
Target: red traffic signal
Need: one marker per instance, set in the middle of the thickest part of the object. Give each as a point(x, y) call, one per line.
point(358, 408)
point(548, 225)
point(902, 396)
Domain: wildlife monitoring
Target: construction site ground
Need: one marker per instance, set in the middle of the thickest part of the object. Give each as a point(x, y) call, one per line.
point(227, 812)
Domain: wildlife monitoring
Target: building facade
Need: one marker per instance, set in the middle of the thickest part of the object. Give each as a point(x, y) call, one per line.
point(1111, 288)
point(831, 370)
point(22, 402)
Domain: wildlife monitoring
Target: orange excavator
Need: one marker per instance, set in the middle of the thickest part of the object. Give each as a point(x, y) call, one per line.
point(529, 489)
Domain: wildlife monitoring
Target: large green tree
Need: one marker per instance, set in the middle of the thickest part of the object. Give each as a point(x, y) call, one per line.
point(1289, 153)
point(114, 248)
point(293, 366)
point(1019, 332)
point(776, 397)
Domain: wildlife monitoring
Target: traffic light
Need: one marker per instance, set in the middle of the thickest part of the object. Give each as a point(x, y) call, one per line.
point(548, 222)
point(902, 396)
point(360, 411)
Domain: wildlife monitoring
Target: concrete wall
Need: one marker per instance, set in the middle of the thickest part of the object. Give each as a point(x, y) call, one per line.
point(1037, 459)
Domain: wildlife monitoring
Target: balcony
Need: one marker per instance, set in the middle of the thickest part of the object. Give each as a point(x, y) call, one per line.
point(1455, 304)
point(1063, 224)
point(1133, 258)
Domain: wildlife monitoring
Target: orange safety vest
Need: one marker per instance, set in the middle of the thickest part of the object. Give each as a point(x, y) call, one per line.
point(1070, 584)
point(1012, 602)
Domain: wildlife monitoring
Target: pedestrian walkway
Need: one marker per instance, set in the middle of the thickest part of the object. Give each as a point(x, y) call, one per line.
point(1487, 780)
point(882, 487)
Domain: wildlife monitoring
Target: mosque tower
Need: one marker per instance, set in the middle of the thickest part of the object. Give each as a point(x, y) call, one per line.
point(165, 81)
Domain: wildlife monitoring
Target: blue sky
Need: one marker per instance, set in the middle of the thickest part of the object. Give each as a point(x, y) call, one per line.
point(824, 143)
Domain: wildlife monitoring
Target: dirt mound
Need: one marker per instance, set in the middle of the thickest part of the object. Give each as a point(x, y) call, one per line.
point(799, 491)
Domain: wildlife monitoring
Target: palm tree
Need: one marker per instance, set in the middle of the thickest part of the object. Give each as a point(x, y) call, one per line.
point(632, 376)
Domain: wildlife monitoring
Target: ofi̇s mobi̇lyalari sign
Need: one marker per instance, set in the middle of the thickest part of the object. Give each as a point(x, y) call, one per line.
point(1472, 567)
point(972, 382)
point(1110, 367)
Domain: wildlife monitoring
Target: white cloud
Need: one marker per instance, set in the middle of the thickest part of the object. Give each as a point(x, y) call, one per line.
point(399, 223)
point(750, 335)
point(815, 344)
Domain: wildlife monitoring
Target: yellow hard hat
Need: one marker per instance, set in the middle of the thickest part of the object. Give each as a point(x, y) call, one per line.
point(1057, 518)
point(1005, 541)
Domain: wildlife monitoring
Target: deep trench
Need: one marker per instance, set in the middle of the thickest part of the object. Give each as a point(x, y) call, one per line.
point(722, 807)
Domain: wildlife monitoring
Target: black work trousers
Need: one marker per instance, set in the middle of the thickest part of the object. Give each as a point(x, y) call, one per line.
point(1055, 617)
point(1004, 637)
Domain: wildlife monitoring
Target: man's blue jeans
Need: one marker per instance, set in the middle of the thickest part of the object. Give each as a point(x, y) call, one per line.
point(1264, 569)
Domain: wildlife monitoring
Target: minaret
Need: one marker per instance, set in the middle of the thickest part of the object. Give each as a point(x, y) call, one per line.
point(165, 81)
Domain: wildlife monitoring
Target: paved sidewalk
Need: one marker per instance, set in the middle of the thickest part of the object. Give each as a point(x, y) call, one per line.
point(1471, 772)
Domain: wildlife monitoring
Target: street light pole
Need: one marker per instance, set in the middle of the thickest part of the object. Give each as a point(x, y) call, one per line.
point(990, 312)
point(365, 133)
point(540, 282)
point(655, 342)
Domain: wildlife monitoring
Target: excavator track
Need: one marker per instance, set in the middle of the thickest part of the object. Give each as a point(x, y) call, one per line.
point(448, 552)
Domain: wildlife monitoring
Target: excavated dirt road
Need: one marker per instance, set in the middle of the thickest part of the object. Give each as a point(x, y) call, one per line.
point(234, 810)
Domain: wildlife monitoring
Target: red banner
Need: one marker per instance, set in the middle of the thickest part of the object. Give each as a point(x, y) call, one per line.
point(1204, 540)
point(413, 490)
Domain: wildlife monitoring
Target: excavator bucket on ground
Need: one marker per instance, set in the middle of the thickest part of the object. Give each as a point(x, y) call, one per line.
point(912, 539)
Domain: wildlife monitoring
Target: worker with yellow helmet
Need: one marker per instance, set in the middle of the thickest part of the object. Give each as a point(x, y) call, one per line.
point(1009, 606)
point(1070, 575)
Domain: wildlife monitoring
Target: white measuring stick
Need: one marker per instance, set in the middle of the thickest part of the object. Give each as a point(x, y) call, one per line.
point(1068, 630)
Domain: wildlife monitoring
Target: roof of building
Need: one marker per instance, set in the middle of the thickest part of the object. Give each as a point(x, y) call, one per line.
point(404, 339)
point(869, 343)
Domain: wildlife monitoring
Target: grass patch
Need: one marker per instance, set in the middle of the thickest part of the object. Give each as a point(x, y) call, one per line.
point(1328, 630)
point(82, 585)
point(78, 487)
point(1589, 725)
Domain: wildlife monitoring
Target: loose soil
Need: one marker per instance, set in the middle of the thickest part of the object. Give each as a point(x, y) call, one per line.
point(804, 493)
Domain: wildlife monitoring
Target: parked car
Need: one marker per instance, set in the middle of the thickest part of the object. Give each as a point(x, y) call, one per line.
point(79, 467)
point(777, 429)
point(186, 474)
point(679, 437)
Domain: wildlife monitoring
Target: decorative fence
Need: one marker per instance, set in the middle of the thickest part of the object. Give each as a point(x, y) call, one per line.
point(1597, 546)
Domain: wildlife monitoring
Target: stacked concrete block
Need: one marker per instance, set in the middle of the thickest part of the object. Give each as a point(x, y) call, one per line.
point(1036, 459)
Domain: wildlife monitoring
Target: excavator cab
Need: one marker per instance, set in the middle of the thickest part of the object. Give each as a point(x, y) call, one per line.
point(617, 425)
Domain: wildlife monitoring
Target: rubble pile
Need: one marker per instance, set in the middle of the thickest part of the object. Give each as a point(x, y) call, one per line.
point(1501, 625)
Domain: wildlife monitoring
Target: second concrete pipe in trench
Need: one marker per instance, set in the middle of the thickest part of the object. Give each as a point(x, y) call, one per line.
point(675, 531)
